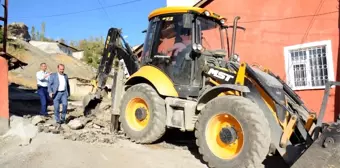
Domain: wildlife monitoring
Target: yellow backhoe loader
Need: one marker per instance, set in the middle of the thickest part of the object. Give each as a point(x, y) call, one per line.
point(188, 79)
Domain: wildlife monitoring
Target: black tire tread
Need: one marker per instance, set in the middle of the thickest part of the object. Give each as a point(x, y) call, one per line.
point(157, 130)
point(249, 111)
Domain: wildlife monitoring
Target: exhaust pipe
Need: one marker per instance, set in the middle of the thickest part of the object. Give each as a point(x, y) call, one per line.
point(233, 40)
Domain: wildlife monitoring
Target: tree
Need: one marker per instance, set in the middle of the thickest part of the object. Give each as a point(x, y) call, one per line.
point(62, 40)
point(93, 48)
point(73, 43)
point(1, 34)
point(33, 33)
point(38, 35)
point(42, 34)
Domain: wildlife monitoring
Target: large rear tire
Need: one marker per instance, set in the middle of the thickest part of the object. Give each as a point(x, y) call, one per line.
point(245, 139)
point(143, 114)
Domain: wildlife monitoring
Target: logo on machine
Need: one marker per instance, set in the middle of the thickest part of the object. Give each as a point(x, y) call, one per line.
point(220, 74)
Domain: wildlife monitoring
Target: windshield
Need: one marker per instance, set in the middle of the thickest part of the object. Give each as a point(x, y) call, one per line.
point(148, 42)
point(211, 34)
point(173, 37)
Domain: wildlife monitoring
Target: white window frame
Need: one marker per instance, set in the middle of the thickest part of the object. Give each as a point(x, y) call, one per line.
point(289, 69)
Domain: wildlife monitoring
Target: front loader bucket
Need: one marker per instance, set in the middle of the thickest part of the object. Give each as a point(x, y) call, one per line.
point(87, 99)
point(90, 103)
point(324, 152)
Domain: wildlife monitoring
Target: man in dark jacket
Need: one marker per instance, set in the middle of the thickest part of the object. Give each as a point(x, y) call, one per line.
point(59, 91)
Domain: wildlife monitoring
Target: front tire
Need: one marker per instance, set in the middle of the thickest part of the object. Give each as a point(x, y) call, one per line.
point(143, 114)
point(232, 132)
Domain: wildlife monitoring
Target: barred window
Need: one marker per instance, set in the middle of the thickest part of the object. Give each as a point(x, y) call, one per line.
point(309, 66)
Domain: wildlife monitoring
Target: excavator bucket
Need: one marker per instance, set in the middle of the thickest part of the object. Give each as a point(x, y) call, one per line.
point(324, 152)
point(87, 99)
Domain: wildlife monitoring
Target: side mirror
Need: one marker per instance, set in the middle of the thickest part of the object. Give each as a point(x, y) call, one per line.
point(187, 20)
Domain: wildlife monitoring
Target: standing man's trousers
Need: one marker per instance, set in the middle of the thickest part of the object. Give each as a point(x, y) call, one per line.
point(60, 97)
point(44, 98)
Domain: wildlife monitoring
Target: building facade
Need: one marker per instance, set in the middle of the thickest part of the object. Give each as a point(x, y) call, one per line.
point(297, 40)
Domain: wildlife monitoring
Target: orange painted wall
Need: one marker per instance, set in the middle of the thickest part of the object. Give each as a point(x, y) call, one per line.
point(267, 33)
point(4, 112)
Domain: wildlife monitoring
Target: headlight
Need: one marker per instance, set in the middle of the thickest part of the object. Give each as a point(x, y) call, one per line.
point(222, 21)
point(236, 58)
point(194, 46)
point(199, 47)
point(207, 13)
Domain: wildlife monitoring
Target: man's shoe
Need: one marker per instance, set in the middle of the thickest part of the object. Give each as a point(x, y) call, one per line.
point(58, 126)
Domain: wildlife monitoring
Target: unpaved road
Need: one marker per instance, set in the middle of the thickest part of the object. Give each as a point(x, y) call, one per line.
point(49, 151)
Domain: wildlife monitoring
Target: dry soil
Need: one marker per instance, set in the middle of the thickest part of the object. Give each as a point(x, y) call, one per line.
point(49, 150)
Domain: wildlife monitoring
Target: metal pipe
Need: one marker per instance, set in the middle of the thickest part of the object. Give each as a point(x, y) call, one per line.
point(234, 35)
point(5, 26)
point(228, 44)
point(222, 39)
point(328, 86)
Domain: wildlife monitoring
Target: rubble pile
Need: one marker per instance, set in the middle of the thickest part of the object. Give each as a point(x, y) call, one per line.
point(23, 129)
point(91, 129)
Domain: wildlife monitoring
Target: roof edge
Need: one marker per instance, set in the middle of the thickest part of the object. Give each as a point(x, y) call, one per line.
point(63, 44)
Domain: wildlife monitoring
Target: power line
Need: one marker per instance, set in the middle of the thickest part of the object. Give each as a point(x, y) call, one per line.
point(312, 21)
point(105, 11)
point(307, 30)
point(77, 12)
point(288, 18)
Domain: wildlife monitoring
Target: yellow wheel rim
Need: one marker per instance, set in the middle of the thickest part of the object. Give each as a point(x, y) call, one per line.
point(130, 115)
point(212, 135)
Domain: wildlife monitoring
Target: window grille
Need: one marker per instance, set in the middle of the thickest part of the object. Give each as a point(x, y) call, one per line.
point(309, 66)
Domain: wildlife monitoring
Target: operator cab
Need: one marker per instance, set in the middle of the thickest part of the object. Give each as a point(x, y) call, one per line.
point(179, 41)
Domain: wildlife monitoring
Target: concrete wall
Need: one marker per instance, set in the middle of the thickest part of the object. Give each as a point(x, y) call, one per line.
point(4, 104)
point(273, 25)
point(79, 55)
point(79, 89)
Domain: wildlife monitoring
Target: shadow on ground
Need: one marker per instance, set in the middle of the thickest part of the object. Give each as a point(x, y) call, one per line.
point(187, 140)
point(23, 101)
point(183, 139)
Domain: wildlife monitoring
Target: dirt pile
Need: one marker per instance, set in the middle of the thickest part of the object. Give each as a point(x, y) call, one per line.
point(33, 56)
point(93, 129)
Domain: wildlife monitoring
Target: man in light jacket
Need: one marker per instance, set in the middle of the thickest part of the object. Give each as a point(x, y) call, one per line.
point(59, 90)
point(42, 82)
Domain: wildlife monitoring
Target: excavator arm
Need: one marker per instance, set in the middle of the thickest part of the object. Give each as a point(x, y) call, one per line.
point(116, 49)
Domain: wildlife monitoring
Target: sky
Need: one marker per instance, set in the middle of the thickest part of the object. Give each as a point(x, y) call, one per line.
point(80, 19)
